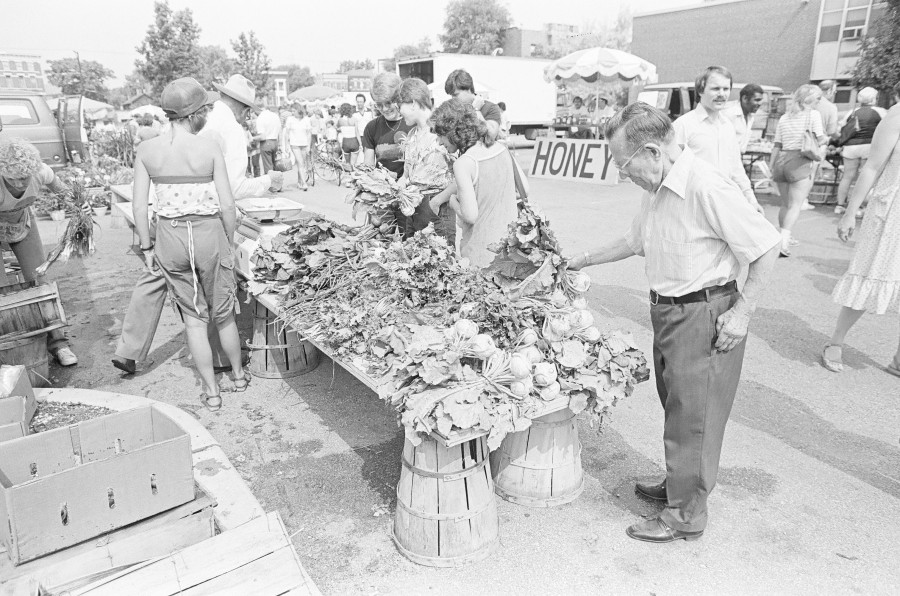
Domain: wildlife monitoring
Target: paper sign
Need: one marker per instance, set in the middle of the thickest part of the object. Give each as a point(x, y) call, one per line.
point(574, 159)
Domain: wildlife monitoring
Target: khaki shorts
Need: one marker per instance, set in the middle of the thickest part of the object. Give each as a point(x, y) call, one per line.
point(204, 285)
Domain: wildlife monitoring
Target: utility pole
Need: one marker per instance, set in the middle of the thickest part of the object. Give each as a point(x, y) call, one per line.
point(80, 75)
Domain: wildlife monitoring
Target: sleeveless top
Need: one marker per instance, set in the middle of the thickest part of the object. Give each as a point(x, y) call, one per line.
point(177, 196)
point(495, 193)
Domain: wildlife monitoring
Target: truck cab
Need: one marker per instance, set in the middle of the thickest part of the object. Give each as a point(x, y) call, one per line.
point(58, 138)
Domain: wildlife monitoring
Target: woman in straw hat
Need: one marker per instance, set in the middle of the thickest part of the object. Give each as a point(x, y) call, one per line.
point(195, 230)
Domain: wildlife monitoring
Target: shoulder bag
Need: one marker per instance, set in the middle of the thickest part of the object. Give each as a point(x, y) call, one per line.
point(850, 128)
point(810, 148)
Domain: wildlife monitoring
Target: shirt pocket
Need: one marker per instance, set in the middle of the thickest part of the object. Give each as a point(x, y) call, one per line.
point(675, 260)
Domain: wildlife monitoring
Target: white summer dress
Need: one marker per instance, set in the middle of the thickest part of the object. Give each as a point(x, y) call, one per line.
point(872, 281)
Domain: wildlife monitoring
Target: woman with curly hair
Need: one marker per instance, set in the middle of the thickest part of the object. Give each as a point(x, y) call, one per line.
point(24, 174)
point(485, 174)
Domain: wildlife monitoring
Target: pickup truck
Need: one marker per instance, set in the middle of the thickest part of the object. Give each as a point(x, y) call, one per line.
point(59, 137)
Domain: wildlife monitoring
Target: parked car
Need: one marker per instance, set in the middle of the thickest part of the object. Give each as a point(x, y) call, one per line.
point(58, 137)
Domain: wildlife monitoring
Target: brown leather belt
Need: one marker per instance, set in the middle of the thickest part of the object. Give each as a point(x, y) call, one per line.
point(704, 295)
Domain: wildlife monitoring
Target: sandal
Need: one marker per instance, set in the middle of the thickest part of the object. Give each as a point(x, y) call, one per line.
point(833, 364)
point(894, 367)
point(213, 403)
point(241, 384)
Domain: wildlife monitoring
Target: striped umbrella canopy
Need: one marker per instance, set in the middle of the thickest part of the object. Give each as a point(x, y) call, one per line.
point(601, 65)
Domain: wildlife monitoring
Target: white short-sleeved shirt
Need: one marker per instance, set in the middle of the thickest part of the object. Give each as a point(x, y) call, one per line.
point(712, 138)
point(298, 131)
point(697, 229)
point(231, 138)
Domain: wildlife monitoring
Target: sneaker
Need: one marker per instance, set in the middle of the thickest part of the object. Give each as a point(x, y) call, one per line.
point(65, 356)
point(839, 209)
point(793, 242)
point(806, 206)
point(860, 213)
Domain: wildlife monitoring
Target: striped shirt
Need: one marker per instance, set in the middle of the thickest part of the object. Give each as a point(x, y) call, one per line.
point(712, 137)
point(697, 229)
point(790, 129)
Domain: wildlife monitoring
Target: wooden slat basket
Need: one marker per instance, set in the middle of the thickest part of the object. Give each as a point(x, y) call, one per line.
point(540, 466)
point(277, 352)
point(446, 509)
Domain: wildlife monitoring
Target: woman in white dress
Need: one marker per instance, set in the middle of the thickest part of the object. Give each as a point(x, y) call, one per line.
point(872, 281)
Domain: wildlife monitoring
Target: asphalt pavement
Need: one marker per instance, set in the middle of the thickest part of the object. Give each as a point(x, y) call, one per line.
point(808, 495)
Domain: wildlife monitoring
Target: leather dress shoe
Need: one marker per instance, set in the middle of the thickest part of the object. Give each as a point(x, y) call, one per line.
point(656, 530)
point(127, 365)
point(657, 492)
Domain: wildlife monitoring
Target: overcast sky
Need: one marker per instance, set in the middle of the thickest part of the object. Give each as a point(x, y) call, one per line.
point(315, 34)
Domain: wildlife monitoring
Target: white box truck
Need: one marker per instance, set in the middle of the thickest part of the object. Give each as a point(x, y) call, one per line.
point(518, 82)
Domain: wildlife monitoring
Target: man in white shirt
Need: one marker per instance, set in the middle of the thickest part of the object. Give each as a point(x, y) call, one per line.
point(709, 133)
point(223, 125)
point(696, 231)
point(741, 114)
point(605, 110)
point(268, 127)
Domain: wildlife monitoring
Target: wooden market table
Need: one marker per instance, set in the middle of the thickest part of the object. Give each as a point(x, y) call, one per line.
point(378, 384)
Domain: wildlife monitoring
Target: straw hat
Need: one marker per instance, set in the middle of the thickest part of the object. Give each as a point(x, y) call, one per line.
point(241, 89)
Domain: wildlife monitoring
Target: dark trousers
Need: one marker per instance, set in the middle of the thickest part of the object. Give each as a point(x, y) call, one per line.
point(696, 386)
point(267, 152)
point(142, 319)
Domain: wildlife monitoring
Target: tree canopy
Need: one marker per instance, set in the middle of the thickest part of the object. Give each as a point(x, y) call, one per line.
point(85, 79)
point(408, 49)
point(879, 60)
point(214, 66)
point(252, 61)
point(298, 76)
point(169, 50)
point(474, 26)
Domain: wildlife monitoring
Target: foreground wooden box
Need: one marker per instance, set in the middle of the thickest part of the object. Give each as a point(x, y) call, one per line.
point(17, 403)
point(63, 486)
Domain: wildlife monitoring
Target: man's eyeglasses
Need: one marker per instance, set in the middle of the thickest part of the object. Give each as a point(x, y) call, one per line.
point(628, 161)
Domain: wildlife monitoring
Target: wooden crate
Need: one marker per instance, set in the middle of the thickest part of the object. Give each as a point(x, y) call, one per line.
point(63, 486)
point(17, 403)
point(27, 309)
point(277, 352)
point(256, 558)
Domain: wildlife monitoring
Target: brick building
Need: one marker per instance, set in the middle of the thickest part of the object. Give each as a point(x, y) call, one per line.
point(525, 43)
point(772, 42)
point(21, 72)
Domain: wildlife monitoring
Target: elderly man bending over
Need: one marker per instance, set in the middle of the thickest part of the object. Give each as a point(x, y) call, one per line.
point(695, 228)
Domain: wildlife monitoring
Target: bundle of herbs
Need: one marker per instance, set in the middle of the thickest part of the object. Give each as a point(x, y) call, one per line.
point(377, 194)
point(78, 238)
